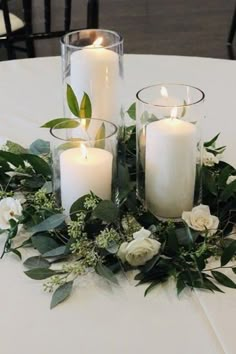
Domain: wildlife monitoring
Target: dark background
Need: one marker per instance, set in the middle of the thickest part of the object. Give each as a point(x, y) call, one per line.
point(173, 27)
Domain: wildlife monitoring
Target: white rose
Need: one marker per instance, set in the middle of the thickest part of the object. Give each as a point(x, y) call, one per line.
point(9, 209)
point(209, 159)
point(140, 250)
point(200, 219)
point(230, 179)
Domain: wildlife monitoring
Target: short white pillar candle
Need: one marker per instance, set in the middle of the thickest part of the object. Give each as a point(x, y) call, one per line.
point(84, 171)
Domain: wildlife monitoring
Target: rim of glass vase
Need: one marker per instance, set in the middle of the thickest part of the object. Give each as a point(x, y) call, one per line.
point(120, 39)
point(166, 84)
point(52, 129)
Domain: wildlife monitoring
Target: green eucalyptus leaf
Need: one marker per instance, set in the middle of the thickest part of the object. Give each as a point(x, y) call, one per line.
point(228, 253)
point(50, 223)
point(47, 187)
point(100, 137)
point(12, 232)
point(209, 181)
point(185, 236)
point(151, 287)
point(172, 245)
point(229, 191)
point(211, 286)
point(39, 147)
point(224, 174)
point(44, 243)
point(150, 264)
point(14, 159)
point(132, 111)
point(15, 148)
point(59, 251)
point(77, 206)
point(40, 273)
point(85, 107)
point(180, 284)
point(16, 252)
point(36, 262)
point(38, 164)
point(61, 123)
point(34, 182)
point(212, 141)
point(223, 279)
point(72, 101)
point(106, 211)
point(105, 272)
point(61, 294)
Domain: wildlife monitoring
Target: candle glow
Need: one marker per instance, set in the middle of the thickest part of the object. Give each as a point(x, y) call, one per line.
point(164, 91)
point(98, 42)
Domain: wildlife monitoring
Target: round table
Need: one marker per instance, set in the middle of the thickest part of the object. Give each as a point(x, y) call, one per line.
point(99, 318)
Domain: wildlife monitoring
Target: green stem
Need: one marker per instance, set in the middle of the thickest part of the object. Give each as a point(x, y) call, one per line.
point(210, 269)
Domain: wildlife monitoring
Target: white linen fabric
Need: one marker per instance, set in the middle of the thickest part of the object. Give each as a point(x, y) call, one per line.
point(16, 23)
point(98, 318)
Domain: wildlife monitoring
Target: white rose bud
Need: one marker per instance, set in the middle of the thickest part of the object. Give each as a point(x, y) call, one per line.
point(200, 219)
point(209, 159)
point(140, 250)
point(9, 209)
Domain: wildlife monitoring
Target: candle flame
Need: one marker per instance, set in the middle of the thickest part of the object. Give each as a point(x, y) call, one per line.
point(164, 91)
point(174, 112)
point(98, 42)
point(84, 152)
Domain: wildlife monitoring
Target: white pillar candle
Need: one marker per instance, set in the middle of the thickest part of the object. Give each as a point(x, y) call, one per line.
point(170, 167)
point(82, 172)
point(95, 70)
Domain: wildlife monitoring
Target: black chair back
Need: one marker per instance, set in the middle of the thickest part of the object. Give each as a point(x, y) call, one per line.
point(28, 35)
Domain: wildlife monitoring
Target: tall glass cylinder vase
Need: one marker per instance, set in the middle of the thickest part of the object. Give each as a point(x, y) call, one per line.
point(169, 148)
point(92, 63)
point(84, 154)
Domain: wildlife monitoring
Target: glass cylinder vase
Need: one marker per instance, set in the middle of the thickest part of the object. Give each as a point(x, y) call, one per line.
point(169, 148)
point(84, 154)
point(92, 63)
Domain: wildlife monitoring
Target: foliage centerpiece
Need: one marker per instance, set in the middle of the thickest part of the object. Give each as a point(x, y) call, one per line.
point(97, 235)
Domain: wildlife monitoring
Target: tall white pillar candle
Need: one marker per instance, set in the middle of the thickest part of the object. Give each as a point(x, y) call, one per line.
point(84, 172)
point(95, 70)
point(170, 167)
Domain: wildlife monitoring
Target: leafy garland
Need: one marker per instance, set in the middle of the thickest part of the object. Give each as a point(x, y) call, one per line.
point(102, 237)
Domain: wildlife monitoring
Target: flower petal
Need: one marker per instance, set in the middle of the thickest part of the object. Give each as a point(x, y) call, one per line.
point(141, 234)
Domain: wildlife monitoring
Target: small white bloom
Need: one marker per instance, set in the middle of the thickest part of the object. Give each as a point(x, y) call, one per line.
point(200, 219)
point(141, 234)
point(9, 209)
point(140, 250)
point(20, 197)
point(230, 179)
point(209, 159)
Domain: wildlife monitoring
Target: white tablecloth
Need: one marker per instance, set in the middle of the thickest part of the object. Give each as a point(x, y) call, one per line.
point(97, 318)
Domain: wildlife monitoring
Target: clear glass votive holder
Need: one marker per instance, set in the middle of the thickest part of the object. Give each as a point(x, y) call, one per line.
point(84, 155)
point(92, 63)
point(169, 148)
